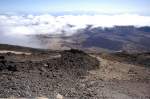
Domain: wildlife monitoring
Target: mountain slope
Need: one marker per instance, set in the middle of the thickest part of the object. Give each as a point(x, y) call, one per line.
point(73, 74)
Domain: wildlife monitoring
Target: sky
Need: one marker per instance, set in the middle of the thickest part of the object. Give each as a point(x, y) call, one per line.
point(54, 17)
point(102, 6)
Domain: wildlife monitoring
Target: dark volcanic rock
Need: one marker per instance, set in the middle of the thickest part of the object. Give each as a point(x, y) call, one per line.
point(76, 59)
point(2, 57)
point(77, 63)
point(44, 77)
point(7, 65)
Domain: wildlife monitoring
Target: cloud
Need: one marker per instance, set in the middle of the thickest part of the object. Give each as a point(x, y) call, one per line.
point(48, 24)
point(19, 26)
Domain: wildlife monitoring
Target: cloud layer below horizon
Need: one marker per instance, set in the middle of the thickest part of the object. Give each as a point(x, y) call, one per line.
point(14, 28)
point(48, 24)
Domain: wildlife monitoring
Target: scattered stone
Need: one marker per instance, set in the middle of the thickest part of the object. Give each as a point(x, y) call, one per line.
point(59, 96)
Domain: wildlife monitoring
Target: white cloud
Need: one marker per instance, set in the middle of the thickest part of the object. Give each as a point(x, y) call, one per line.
point(48, 24)
point(13, 29)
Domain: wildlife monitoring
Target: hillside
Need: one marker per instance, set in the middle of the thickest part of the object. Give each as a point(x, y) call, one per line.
point(111, 39)
point(72, 74)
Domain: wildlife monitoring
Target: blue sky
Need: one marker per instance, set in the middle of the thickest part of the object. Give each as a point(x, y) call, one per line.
point(102, 6)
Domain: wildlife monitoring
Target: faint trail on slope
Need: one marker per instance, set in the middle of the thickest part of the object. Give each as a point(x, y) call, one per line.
point(14, 52)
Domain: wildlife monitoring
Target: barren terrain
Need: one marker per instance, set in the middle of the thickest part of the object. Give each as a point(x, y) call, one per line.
point(72, 74)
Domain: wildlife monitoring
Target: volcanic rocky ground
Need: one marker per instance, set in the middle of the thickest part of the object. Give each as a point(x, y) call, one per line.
point(73, 74)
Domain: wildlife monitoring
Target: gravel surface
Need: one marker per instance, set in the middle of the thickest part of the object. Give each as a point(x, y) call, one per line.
point(71, 74)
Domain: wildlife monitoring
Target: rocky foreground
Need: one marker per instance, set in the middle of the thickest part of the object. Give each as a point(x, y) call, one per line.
point(72, 74)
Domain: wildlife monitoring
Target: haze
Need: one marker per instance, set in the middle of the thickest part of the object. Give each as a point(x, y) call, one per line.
point(66, 17)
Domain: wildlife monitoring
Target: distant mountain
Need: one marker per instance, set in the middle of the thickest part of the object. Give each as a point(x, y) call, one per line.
point(128, 38)
point(117, 38)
